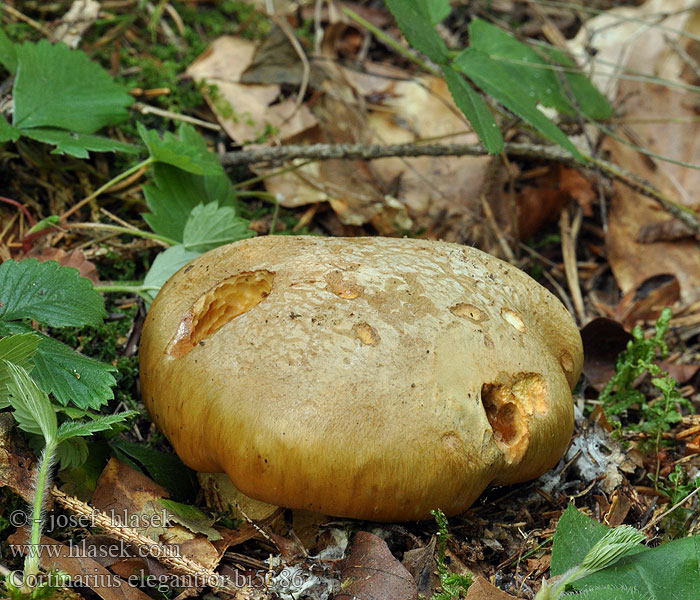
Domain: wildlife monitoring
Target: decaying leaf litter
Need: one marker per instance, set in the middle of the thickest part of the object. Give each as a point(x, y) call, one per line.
point(604, 248)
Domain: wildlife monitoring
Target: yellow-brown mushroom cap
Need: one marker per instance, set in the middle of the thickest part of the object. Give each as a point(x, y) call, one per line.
point(374, 378)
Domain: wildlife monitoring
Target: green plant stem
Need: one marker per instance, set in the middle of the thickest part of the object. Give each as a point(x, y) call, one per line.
point(139, 290)
point(106, 186)
point(389, 41)
point(31, 562)
point(120, 229)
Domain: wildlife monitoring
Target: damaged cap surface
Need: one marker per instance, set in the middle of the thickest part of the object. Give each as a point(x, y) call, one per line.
point(374, 378)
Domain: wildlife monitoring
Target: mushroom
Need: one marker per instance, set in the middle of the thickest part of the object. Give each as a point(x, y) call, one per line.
point(374, 378)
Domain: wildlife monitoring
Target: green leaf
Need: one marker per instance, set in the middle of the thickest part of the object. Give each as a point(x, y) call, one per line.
point(187, 150)
point(590, 101)
point(17, 349)
point(177, 192)
point(210, 226)
point(32, 407)
point(49, 293)
point(164, 468)
point(71, 453)
point(651, 572)
point(77, 144)
point(609, 592)
point(70, 429)
point(190, 517)
point(57, 367)
point(475, 109)
point(7, 132)
point(166, 264)
point(615, 544)
point(437, 10)
point(59, 87)
point(415, 21)
point(8, 53)
point(574, 536)
point(655, 571)
point(536, 73)
point(492, 77)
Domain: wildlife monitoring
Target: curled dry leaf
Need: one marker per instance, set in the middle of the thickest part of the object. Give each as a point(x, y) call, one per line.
point(645, 301)
point(371, 571)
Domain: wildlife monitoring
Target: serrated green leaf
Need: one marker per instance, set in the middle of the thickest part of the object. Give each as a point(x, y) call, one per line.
point(190, 517)
point(164, 468)
point(210, 226)
point(32, 408)
point(495, 80)
point(49, 293)
point(77, 144)
point(536, 72)
point(59, 87)
point(70, 429)
point(414, 20)
point(71, 453)
point(177, 192)
point(17, 349)
point(57, 367)
point(475, 109)
point(187, 150)
point(8, 53)
point(7, 132)
point(166, 264)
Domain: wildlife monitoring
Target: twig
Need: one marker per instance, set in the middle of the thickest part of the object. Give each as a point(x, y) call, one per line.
point(670, 510)
point(163, 554)
point(28, 20)
point(147, 109)
point(569, 233)
point(279, 154)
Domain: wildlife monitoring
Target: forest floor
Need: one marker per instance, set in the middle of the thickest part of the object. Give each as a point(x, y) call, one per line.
point(615, 246)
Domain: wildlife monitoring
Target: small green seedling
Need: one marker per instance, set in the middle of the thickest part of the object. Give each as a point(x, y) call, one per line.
point(452, 585)
point(35, 414)
point(615, 544)
point(638, 358)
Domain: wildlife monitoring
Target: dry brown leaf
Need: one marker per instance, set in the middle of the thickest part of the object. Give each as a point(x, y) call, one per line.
point(244, 110)
point(603, 340)
point(16, 462)
point(371, 571)
point(646, 301)
point(483, 590)
point(393, 194)
point(74, 258)
point(133, 497)
point(421, 564)
point(637, 39)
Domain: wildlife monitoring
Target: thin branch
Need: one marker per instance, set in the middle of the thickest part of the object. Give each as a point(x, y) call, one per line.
point(278, 154)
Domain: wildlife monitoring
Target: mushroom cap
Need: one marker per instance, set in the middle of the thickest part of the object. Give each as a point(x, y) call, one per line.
point(375, 378)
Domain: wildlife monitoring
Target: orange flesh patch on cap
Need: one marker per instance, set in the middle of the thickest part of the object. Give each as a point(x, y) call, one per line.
point(219, 305)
